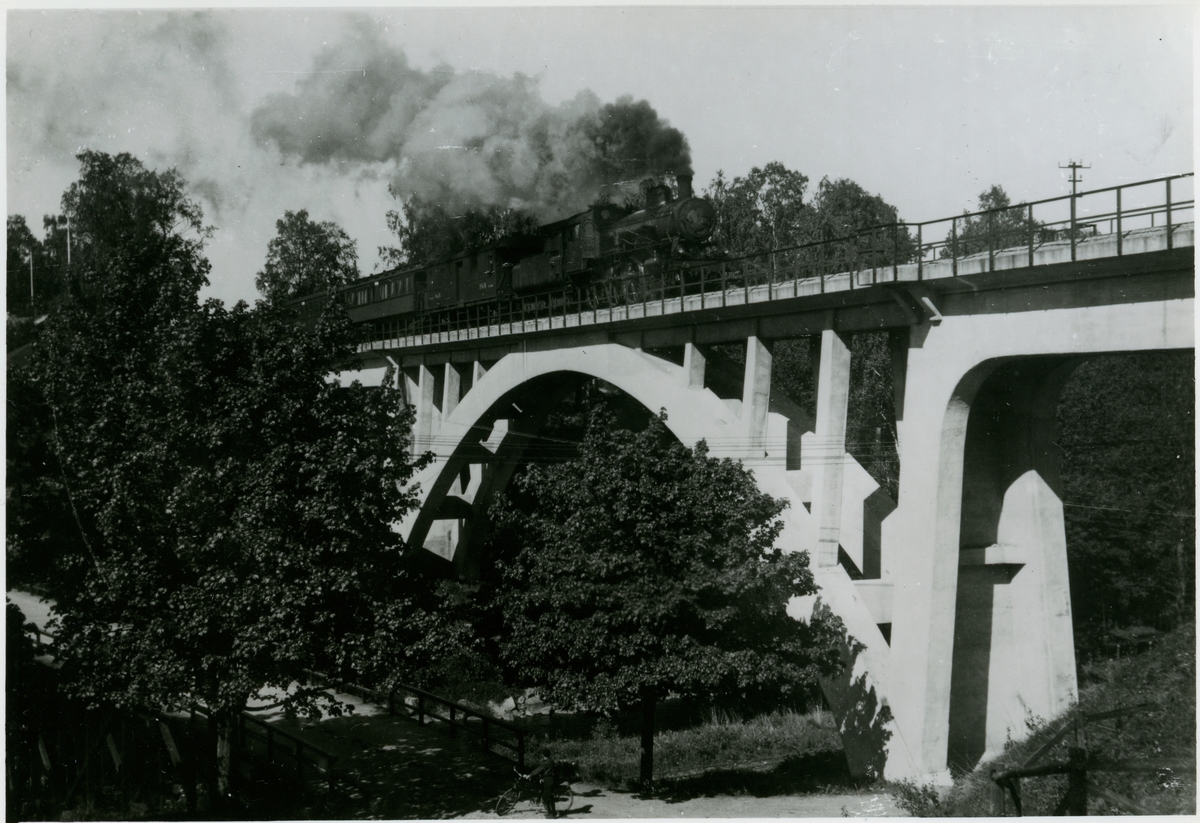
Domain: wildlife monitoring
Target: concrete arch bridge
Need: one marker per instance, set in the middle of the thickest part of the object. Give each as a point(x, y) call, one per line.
point(960, 613)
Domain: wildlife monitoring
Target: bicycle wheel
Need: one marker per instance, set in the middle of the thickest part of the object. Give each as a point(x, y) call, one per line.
point(508, 801)
point(564, 797)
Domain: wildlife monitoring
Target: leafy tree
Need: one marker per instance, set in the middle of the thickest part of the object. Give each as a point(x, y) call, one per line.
point(844, 208)
point(1126, 428)
point(306, 257)
point(427, 233)
point(232, 507)
point(762, 211)
point(1003, 226)
point(22, 246)
point(646, 569)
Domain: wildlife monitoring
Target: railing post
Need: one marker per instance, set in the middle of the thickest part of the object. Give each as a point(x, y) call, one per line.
point(1029, 228)
point(421, 708)
point(1073, 195)
point(453, 731)
point(1120, 238)
point(991, 231)
point(954, 246)
point(1170, 240)
point(896, 252)
point(920, 252)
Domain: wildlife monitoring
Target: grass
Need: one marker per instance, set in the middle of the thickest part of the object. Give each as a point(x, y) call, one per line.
point(723, 755)
point(1164, 676)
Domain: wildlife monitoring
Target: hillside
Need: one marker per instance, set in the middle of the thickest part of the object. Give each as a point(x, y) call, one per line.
point(1164, 676)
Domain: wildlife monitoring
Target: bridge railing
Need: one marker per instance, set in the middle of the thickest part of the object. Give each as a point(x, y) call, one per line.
point(863, 258)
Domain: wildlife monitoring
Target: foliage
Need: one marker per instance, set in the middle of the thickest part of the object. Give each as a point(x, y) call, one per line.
point(647, 568)
point(1127, 434)
point(233, 507)
point(762, 211)
point(427, 233)
point(1002, 226)
point(306, 257)
point(844, 208)
point(49, 264)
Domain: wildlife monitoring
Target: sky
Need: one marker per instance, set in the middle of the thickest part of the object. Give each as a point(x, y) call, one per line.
point(269, 110)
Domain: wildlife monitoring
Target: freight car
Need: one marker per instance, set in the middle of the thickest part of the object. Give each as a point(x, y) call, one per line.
point(605, 253)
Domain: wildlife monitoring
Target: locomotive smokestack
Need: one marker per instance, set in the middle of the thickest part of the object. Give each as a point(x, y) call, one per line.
point(684, 181)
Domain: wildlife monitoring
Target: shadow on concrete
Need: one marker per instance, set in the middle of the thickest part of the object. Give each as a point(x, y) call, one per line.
point(861, 715)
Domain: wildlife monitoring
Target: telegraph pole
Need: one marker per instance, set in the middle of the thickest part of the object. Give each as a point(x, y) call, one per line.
point(1074, 166)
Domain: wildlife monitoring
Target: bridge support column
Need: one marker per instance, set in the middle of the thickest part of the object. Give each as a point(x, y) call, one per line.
point(423, 428)
point(451, 389)
point(833, 392)
point(756, 393)
point(693, 366)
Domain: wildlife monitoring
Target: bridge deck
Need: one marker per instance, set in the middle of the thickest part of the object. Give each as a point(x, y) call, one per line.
point(783, 287)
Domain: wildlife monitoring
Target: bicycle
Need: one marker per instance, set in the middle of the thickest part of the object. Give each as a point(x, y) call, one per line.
point(528, 789)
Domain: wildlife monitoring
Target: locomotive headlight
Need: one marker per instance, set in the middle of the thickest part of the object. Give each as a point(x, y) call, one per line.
point(696, 218)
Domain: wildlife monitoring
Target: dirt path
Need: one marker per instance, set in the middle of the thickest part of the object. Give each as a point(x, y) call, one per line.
point(406, 770)
point(596, 803)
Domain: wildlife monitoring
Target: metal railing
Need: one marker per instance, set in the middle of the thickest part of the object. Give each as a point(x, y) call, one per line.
point(972, 242)
point(491, 732)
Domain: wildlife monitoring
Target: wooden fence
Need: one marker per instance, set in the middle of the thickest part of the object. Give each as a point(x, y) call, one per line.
point(1079, 763)
point(492, 733)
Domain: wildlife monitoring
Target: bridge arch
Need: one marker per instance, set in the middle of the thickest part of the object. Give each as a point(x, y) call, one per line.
point(484, 436)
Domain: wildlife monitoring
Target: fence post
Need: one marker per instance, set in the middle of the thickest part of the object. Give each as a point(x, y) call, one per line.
point(896, 252)
point(1029, 227)
point(991, 230)
point(1076, 797)
point(421, 708)
point(453, 731)
point(920, 253)
point(1073, 195)
point(1170, 240)
point(954, 246)
point(1120, 239)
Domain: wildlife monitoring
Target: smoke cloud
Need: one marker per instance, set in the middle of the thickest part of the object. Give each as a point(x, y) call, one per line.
point(465, 139)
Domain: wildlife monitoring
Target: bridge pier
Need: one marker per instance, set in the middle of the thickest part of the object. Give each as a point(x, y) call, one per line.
point(982, 636)
point(833, 394)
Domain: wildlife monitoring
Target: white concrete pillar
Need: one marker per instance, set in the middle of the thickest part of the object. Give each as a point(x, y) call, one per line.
point(451, 389)
point(833, 392)
point(423, 427)
point(478, 370)
point(756, 393)
point(693, 366)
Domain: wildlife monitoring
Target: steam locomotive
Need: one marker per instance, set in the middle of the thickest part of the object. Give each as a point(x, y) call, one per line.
point(600, 255)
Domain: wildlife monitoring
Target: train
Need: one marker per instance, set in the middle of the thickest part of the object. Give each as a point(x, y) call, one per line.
point(598, 255)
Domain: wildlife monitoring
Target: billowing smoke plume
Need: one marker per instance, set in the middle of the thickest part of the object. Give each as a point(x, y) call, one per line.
point(466, 139)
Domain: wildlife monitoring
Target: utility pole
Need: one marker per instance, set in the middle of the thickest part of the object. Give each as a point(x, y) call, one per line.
point(32, 312)
point(1074, 166)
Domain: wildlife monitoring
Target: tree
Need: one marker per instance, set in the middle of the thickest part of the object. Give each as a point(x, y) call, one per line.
point(22, 247)
point(1003, 225)
point(306, 257)
point(427, 233)
point(762, 211)
point(233, 507)
point(844, 208)
point(646, 569)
